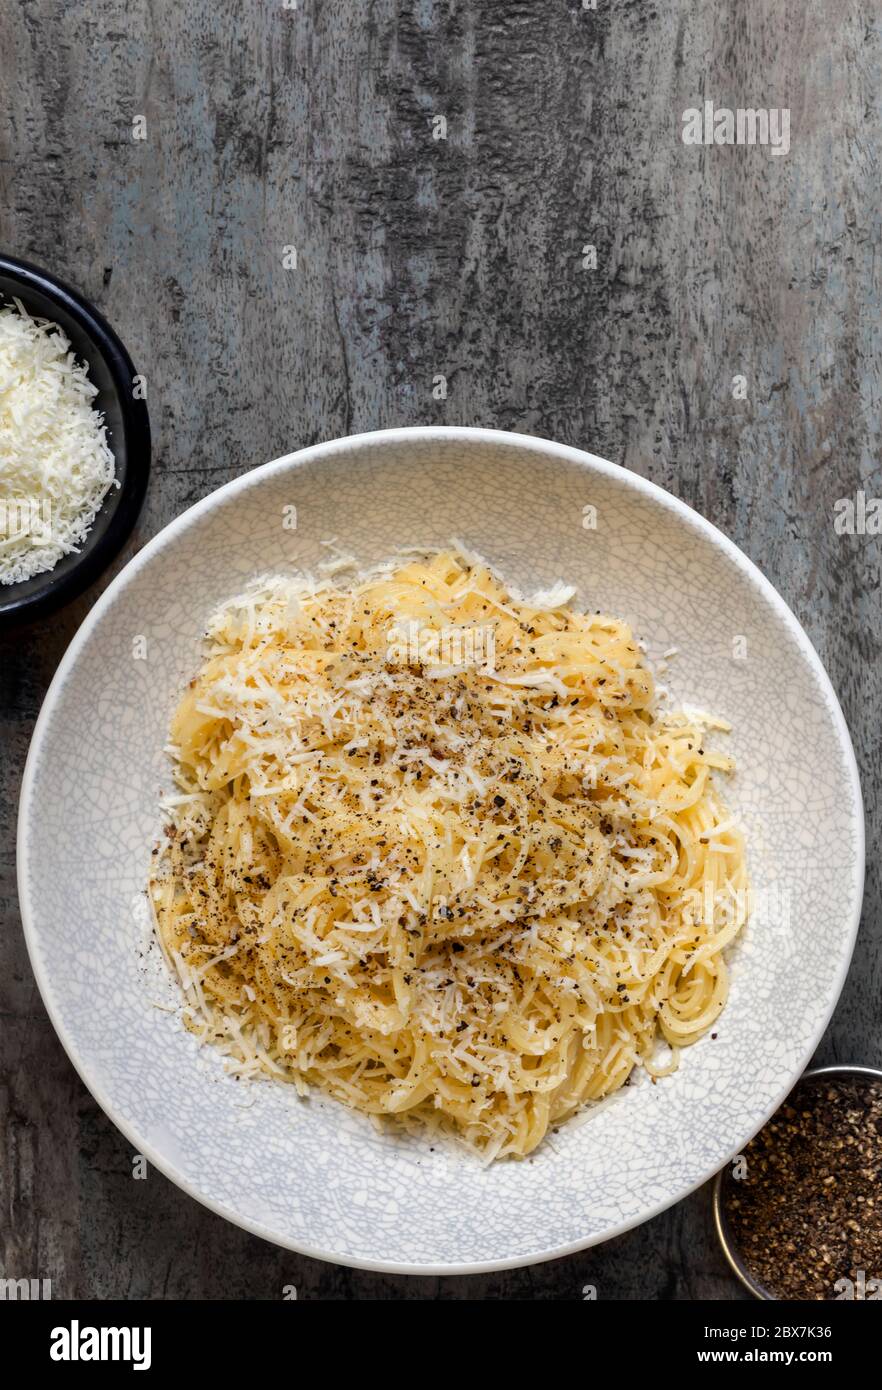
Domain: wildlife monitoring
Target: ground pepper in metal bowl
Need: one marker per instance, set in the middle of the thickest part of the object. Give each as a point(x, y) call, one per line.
point(806, 1215)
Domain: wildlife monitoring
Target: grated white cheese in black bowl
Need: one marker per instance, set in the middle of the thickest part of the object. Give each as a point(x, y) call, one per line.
point(56, 466)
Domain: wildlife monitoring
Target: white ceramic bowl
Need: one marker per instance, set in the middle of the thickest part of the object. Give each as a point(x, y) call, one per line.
point(312, 1175)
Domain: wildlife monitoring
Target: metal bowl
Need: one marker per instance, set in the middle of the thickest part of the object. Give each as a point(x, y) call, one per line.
point(730, 1249)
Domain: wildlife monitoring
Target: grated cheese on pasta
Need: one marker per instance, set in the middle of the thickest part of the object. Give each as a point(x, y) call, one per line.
point(468, 895)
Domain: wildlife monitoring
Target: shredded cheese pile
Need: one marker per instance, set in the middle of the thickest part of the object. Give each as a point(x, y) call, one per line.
point(55, 463)
point(472, 894)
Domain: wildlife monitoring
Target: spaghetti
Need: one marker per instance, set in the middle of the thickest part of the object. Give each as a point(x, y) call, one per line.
point(436, 851)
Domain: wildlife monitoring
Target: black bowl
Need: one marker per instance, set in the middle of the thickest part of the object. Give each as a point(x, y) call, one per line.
point(128, 435)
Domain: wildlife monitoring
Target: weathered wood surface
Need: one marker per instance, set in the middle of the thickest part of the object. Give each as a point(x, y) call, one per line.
point(313, 127)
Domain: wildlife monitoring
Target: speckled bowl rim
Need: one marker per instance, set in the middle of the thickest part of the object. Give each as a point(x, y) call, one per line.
point(312, 454)
point(724, 1234)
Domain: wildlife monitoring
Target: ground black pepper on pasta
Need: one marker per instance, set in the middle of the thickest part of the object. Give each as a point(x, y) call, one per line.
point(367, 849)
point(807, 1214)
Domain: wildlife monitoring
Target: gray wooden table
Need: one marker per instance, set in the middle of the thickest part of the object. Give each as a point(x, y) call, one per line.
point(317, 127)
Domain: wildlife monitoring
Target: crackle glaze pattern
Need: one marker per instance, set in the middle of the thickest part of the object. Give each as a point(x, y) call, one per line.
point(311, 1174)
